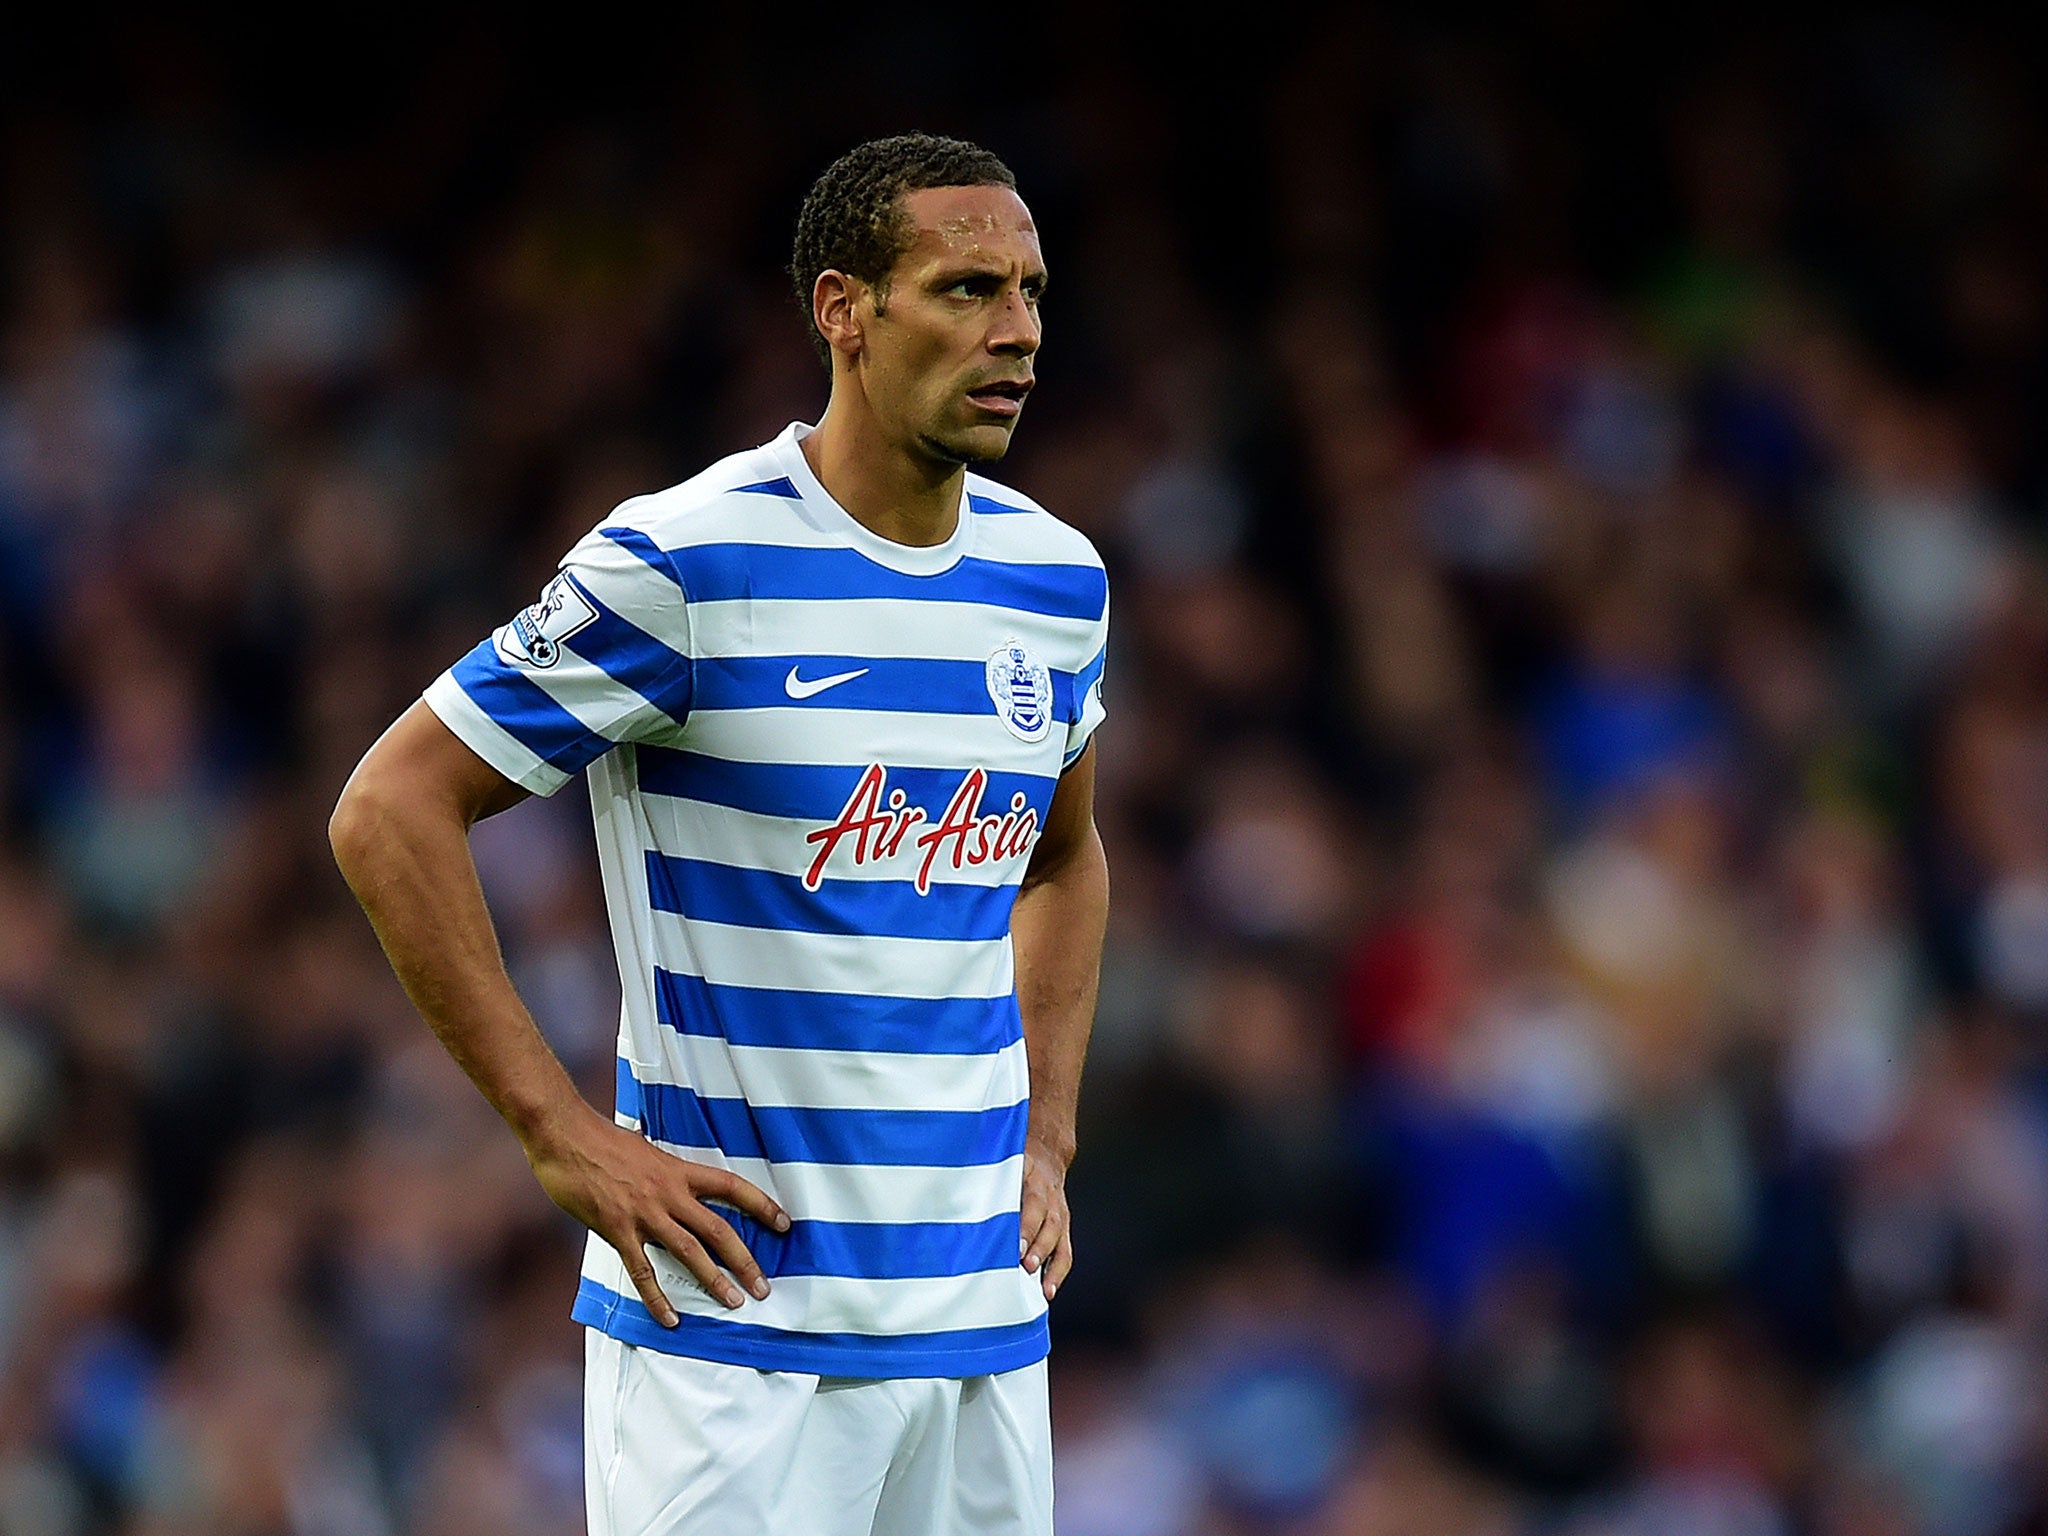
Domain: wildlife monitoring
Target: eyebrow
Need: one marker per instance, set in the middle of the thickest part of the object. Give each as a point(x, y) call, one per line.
point(956, 272)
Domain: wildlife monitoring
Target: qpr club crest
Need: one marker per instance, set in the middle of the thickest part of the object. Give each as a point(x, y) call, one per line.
point(1022, 690)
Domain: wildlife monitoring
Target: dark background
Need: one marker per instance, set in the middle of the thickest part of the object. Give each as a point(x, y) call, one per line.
point(1571, 1050)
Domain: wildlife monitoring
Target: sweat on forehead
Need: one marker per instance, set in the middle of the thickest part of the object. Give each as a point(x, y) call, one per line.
point(961, 207)
point(977, 224)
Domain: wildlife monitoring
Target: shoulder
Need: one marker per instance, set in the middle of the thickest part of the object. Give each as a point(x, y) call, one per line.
point(736, 500)
point(1011, 526)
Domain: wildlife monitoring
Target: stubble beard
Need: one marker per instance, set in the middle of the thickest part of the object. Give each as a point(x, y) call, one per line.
point(964, 454)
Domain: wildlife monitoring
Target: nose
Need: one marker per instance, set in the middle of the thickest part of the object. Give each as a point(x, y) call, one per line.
point(1017, 328)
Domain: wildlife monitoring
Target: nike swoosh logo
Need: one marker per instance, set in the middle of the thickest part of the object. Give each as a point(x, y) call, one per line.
point(797, 688)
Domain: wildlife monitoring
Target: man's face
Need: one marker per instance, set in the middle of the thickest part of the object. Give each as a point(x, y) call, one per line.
point(948, 344)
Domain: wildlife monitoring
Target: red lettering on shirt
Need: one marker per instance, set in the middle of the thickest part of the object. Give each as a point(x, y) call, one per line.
point(873, 823)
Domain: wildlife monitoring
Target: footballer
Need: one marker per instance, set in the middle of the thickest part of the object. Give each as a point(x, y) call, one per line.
point(835, 697)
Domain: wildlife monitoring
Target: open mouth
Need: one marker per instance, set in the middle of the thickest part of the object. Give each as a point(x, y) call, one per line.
point(1003, 397)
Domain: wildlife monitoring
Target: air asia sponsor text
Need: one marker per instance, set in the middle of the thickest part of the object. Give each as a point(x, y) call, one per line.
point(876, 819)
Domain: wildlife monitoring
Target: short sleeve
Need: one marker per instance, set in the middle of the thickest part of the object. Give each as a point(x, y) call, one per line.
point(603, 657)
point(1088, 711)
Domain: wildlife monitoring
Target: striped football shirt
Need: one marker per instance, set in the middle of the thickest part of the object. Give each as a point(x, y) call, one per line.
point(818, 762)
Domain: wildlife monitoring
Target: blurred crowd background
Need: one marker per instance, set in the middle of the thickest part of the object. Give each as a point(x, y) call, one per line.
point(1571, 1054)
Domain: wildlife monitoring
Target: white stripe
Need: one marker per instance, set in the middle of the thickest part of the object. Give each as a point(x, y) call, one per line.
point(1031, 539)
point(702, 490)
point(772, 522)
point(693, 829)
point(885, 629)
point(699, 512)
point(834, 1192)
point(600, 702)
point(808, 734)
point(622, 866)
point(731, 956)
point(828, 1304)
point(756, 518)
point(981, 485)
point(801, 1078)
point(490, 740)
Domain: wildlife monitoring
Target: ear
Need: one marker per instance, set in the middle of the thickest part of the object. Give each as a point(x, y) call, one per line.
point(836, 308)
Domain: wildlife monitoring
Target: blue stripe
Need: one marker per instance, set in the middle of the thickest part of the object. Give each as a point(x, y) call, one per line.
point(527, 712)
point(1085, 679)
point(782, 487)
point(758, 898)
point(724, 572)
point(630, 656)
point(895, 1138)
point(836, 1021)
point(626, 1091)
point(818, 791)
point(990, 507)
point(635, 542)
point(900, 683)
point(873, 1250)
point(953, 1352)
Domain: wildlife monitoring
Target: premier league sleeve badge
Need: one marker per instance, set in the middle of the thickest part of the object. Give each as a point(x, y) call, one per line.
point(535, 635)
point(1021, 687)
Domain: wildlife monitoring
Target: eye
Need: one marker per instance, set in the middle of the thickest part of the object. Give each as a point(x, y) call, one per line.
point(975, 285)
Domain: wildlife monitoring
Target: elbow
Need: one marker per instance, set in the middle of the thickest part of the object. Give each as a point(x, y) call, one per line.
point(414, 789)
point(352, 828)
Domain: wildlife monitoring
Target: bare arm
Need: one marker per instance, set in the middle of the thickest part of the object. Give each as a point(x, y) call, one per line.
point(1057, 928)
point(401, 837)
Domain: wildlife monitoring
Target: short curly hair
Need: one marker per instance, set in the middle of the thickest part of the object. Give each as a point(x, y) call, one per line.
point(852, 220)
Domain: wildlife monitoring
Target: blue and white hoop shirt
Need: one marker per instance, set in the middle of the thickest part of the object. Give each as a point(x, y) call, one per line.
point(818, 761)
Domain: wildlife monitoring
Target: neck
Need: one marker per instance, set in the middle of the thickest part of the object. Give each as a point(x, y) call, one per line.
point(886, 486)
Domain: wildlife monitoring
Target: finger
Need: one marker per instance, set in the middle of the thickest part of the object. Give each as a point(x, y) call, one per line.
point(1060, 1265)
point(729, 1186)
point(1029, 1219)
point(692, 1256)
point(1039, 1244)
point(718, 1235)
point(641, 1273)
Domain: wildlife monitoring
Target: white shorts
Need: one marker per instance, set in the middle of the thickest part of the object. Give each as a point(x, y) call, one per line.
point(674, 1446)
